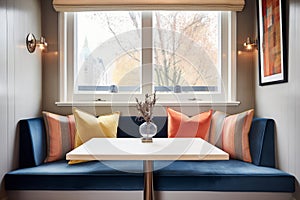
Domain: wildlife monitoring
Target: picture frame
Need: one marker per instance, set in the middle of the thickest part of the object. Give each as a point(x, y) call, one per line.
point(272, 51)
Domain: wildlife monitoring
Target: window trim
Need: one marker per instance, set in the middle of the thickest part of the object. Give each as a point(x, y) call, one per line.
point(67, 82)
point(92, 5)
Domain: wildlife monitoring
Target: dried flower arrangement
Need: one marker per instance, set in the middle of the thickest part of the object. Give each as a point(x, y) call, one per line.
point(145, 108)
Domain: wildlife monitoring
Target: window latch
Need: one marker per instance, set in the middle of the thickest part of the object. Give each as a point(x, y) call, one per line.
point(100, 99)
point(194, 99)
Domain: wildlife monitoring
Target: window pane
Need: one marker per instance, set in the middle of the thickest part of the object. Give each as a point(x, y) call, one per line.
point(186, 51)
point(108, 51)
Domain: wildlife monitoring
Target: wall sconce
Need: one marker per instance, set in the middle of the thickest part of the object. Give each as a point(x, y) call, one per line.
point(31, 43)
point(250, 45)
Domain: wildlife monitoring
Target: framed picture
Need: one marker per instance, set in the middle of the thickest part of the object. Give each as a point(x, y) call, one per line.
point(272, 42)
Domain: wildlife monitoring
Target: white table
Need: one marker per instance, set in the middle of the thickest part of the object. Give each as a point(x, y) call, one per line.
point(134, 149)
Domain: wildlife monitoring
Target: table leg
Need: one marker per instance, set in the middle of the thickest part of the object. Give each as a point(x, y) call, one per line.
point(148, 180)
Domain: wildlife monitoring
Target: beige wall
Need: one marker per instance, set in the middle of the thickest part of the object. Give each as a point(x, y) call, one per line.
point(245, 92)
point(282, 102)
point(20, 75)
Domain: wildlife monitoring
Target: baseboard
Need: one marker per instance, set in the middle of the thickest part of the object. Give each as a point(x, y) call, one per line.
point(196, 195)
point(138, 195)
point(74, 195)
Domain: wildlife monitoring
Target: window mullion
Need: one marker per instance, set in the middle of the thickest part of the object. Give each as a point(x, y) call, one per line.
point(70, 55)
point(232, 49)
point(147, 63)
point(63, 91)
point(224, 54)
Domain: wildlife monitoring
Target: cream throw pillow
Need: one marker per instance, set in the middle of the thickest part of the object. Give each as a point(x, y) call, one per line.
point(88, 126)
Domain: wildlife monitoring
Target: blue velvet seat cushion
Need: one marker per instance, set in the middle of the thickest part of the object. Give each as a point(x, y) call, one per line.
point(232, 175)
point(95, 175)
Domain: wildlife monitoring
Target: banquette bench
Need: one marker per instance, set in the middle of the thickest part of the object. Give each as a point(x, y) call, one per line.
point(232, 179)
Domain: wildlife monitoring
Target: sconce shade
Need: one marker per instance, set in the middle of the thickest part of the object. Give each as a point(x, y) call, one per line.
point(98, 5)
point(30, 42)
point(250, 45)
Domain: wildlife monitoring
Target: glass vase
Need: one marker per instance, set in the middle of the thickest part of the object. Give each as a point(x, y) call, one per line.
point(147, 130)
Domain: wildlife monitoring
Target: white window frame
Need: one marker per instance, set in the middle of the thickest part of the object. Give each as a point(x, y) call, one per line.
point(227, 57)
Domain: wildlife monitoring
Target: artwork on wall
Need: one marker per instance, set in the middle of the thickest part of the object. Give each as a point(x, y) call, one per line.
point(272, 42)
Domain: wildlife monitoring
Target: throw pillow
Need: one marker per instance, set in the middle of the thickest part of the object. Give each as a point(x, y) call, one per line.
point(235, 135)
point(60, 133)
point(180, 125)
point(88, 126)
point(216, 126)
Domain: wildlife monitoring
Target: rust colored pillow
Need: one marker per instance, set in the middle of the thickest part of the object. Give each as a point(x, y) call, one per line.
point(60, 131)
point(235, 135)
point(180, 125)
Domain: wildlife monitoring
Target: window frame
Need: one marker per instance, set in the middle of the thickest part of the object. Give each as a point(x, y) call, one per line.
point(227, 58)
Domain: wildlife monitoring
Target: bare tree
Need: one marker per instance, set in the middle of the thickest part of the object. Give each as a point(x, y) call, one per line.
point(172, 48)
point(169, 64)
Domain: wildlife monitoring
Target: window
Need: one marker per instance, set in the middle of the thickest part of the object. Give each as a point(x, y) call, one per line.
point(119, 55)
point(108, 51)
point(185, 51)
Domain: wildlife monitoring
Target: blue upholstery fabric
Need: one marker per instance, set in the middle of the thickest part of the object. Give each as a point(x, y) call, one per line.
point(261, 139)
point(33, 139)
point(93, 175)
point(32, 151)
point(230, 175)
point(129, 127)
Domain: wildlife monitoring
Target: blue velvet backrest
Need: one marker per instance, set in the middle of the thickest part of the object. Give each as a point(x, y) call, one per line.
point(33, 139)
point(32, 142)
point(129, 127)
point(261, 139)
point(261, 136)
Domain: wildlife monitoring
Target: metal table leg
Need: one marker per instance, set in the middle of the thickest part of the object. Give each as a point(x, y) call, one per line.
point(148, 180)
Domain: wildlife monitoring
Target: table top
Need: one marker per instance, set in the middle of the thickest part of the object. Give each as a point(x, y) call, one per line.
point(134, 149)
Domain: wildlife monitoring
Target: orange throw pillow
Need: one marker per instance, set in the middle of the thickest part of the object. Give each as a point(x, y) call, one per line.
point(180, 125)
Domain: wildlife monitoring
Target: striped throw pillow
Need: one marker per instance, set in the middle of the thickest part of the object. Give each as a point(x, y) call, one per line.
point(60, 131)
point(216, 127)
point(235, 135)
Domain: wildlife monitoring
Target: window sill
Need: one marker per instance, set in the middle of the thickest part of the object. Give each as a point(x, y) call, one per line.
point(133, 104)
